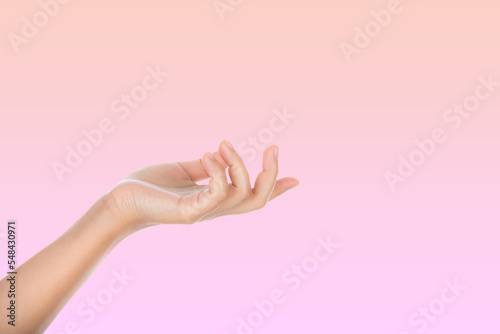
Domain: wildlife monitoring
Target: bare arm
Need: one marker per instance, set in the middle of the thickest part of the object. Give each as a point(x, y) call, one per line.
point(160, 194)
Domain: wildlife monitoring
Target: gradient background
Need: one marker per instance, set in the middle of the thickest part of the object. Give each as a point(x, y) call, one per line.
point(226, 76)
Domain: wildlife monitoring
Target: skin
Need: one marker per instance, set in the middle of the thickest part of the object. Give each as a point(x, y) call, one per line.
point(158, 194)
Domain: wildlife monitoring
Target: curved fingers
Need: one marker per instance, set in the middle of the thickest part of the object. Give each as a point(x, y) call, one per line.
point(264, 184)
point(199, 205)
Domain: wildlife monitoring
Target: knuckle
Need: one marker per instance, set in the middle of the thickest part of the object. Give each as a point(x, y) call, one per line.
point(238, 167)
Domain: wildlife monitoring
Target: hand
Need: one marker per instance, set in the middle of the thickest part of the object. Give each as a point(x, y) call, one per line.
point(160, 194)
point(168, 193)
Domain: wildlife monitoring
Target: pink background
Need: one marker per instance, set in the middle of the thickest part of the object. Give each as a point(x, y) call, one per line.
point(226, 76)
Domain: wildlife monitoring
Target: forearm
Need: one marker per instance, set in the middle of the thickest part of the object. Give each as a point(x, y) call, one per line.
point(47, 281)
point(158, 194)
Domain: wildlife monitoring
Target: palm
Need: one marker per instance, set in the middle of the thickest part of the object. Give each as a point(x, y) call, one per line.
point(165, 187)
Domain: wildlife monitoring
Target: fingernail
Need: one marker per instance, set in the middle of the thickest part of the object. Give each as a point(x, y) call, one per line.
point(211, 156)
point(229, 145)
point(276, 152)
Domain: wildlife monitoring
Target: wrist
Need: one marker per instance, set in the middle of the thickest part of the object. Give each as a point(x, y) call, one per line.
point(122, 208)
point(119, 224)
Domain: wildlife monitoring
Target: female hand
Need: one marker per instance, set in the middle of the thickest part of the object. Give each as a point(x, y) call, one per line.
point(160, 194)
point(168, 193)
